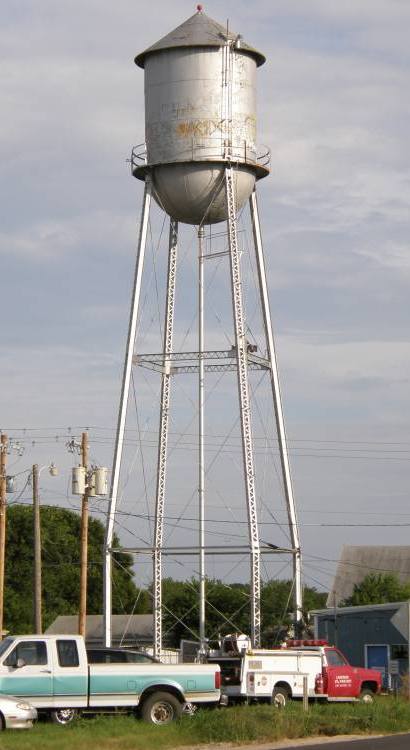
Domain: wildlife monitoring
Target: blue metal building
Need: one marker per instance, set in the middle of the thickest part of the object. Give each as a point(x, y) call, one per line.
point(375, 636)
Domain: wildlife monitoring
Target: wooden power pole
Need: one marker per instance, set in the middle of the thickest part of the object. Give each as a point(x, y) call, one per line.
point(38, 625)
point(84, 540)
point(3, 503)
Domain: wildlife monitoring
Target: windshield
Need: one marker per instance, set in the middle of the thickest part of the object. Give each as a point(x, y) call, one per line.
point(335, 658)
point(5, 644)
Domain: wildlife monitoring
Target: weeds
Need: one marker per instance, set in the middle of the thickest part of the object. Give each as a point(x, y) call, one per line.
point(257, 723)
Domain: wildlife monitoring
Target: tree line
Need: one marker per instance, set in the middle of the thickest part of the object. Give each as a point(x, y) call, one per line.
point(227, 608)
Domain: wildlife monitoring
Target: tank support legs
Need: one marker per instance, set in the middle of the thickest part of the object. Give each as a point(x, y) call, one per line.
point(163, 437)
point(280, 425)
point(119, 440)
point(241, 351)
point(201, 445)
point(245, 414)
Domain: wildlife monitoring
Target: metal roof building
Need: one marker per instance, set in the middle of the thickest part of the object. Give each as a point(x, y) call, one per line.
point(127, 630)
point(356, 562)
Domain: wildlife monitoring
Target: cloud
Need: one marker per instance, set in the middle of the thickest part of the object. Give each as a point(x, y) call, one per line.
point(335, 221)
point(99, 232)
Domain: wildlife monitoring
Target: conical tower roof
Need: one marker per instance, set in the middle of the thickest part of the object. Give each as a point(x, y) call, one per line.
point(198, 31)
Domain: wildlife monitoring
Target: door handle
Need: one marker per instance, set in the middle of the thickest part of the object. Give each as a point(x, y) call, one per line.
point(45, 671)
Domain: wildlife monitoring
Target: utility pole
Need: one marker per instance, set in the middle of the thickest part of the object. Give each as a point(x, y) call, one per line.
point(37, 585)
point(38, 626)
point(84, 539)
point(3, 502)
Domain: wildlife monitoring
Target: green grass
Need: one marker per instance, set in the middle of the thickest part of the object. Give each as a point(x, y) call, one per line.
point(238, 724)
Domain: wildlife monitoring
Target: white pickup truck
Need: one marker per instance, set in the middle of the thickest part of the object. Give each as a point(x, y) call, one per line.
point(53, 673)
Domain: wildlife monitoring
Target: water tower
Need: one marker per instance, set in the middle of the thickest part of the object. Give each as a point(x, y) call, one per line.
point(200, 163)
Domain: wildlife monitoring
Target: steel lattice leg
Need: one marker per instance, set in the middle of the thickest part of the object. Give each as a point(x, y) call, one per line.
point(201, 445)
point(163, 438)
point(243, 388)
point(280, 425)
point(119, 440)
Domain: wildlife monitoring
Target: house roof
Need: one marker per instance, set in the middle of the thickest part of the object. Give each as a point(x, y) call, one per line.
point(130, 627)
point(356, 562)
point(358, 608)
point(199, 31)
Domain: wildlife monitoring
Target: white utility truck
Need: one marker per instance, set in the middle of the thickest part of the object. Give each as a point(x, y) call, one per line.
point(53, 673)
point(278, 674)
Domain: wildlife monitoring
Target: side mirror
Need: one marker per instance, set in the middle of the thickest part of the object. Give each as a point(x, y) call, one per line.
point(20, 663)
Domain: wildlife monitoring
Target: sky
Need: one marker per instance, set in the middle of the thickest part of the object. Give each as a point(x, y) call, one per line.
point(333, 107)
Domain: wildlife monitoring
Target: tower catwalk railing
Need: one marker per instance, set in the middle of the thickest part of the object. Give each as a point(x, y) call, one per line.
point(209, 148)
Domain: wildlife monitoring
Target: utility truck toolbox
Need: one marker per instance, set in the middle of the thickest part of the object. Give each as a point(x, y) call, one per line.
point(53, 673)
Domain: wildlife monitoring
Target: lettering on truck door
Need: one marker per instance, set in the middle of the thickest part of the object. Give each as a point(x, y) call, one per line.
point(340, 675)
point(27, 671)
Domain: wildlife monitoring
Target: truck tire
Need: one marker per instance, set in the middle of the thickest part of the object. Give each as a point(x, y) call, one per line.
point(161, 708)
point(63, 716)
point(366, 696)
point(280, 697)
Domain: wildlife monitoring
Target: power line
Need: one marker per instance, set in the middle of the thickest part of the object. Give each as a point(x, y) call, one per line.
point(68, 432)
point(213, 447)
point(229, 521)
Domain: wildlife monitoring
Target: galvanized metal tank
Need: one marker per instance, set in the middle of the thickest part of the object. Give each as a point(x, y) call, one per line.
point(200, 112)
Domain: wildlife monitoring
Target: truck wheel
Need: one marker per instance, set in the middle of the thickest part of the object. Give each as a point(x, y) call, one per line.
point(366, 696)
point(161, 708)
point(280, 697)
point(63, 716)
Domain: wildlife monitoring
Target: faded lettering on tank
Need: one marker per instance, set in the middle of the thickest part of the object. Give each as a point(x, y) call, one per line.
point(201, 128)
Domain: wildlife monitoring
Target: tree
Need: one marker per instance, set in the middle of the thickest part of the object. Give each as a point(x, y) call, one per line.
point(61, 569)
point(228, 609)
point(378, 588)
point(278, 607)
